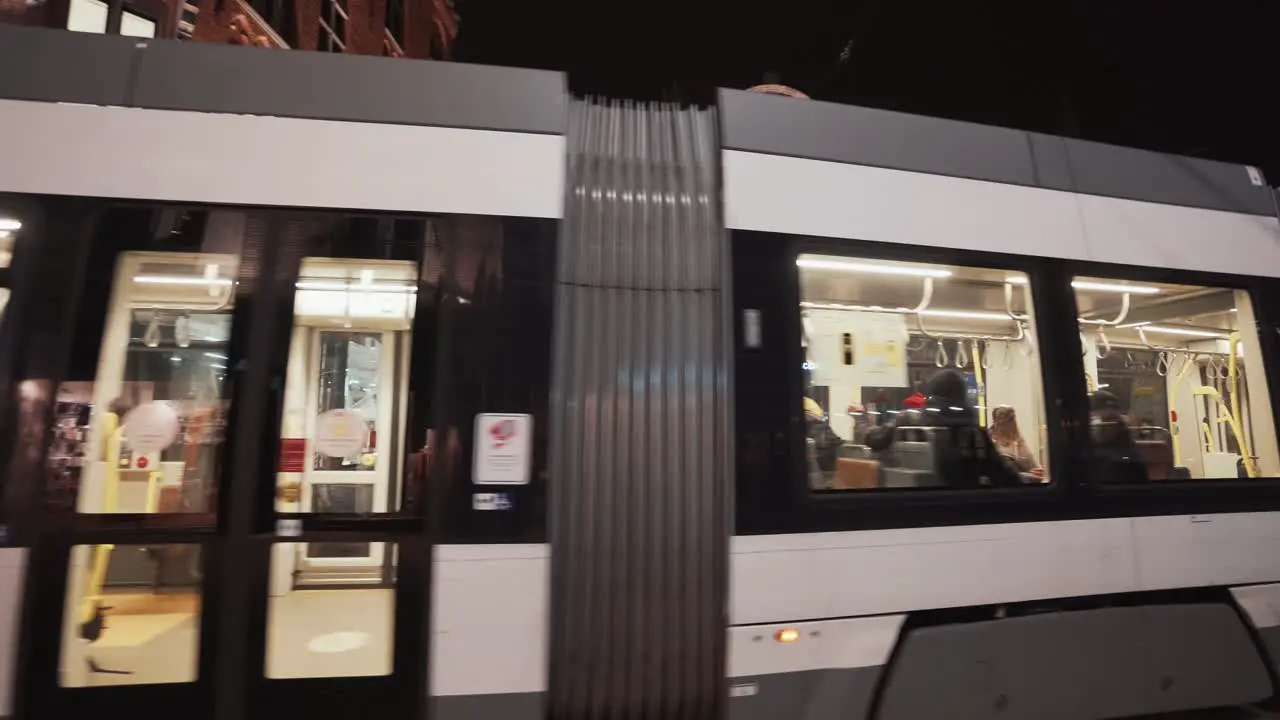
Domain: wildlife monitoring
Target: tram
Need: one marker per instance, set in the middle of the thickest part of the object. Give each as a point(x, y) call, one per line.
point(527, 405)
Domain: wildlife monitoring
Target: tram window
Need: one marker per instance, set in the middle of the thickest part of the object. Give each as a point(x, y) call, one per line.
point(132, 615)
point(314, 632)
point(919, 376)
point(347, 387)
point(9, 228)
point(1178, 389)
point(144, 436)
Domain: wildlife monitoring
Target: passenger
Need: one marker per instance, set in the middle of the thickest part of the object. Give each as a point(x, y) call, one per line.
point(1009, 441)
point(826, 443)
point(965, 455)
point(1115, 453)
point(879, 438)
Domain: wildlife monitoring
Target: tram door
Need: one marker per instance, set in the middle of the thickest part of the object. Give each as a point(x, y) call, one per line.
point(349, 380)
point(223, 514)
point(224, 484)
point(340, 609)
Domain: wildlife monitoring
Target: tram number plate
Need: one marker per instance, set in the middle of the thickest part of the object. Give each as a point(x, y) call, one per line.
point(490, 501)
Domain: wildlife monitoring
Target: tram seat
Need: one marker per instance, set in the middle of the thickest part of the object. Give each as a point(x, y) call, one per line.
point(1155, 450)
point(854, 473)
point(913, 464)
point(852, 450)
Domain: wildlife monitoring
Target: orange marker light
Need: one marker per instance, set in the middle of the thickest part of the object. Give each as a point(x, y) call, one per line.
point(787, 635)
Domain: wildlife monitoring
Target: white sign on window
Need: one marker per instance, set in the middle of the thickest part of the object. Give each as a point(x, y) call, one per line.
point(339, 433)
point(504, 445)
point(151, 428)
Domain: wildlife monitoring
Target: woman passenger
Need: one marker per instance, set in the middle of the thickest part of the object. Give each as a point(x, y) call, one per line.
point(1009, 441)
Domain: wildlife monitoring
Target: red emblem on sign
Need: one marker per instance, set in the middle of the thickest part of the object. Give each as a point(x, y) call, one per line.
point(502, 432)
point(142, 463)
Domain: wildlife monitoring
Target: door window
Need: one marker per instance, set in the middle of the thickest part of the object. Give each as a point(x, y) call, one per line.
point(144, 436)
point(132, 615)
point(318, 632)
point(345, 401)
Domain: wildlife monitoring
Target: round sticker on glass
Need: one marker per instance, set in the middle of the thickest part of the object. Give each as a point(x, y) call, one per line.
point(339, 433)
point(152, 427)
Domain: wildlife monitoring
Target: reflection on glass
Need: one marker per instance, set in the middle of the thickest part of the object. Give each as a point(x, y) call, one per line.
point(132, 615)
point(9, 229)
point(345, 394)
point(314, 631)
point(341, 498)
point(349, 365)
point(919, 376)
point(143, 438)
point(1178, 390)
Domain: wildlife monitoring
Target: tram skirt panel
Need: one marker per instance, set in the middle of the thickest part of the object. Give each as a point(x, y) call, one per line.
point(639, 454)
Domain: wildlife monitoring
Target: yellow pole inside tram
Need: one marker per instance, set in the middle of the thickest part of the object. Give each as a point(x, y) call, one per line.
point(1250, 468)
point(982, 388)
point(110, 501)
point(1172, 398)
point(1237, 422)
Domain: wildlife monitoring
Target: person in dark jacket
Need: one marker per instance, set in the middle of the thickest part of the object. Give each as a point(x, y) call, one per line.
point(826, 441)
point(1115, 454)
point(964, 455)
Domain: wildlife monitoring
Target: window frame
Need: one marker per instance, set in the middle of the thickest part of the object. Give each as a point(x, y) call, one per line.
point(23, 278)
point(1205, 495)
point(781, 501)
point(790, 505)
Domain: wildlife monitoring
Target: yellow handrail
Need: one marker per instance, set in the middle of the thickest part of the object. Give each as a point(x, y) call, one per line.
point(110, 502)
point(1237, 425)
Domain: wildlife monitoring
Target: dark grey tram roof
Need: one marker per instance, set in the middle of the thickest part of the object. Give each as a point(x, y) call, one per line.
point(61, 66)
point(864, 136)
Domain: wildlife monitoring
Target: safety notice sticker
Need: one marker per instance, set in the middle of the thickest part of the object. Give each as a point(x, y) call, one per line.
point(503, 449)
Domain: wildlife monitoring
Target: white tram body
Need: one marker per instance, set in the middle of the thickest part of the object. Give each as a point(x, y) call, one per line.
point(819, 617)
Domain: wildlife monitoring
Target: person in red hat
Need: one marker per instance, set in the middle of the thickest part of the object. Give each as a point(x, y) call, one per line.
point(915, 401)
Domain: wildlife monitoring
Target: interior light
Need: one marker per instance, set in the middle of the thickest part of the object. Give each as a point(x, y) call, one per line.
point(856, 267)
point(787, 635)
point(967, 314)
point(346, 286)
point(216, 356)
point(313, 285)
point(1189, 332)
point(7, 223)
point(931, 312)
point(1114, 287)
point(179, 280)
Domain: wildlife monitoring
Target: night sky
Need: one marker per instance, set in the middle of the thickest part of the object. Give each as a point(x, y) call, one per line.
point(1184, 76)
